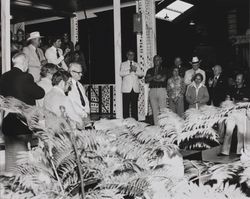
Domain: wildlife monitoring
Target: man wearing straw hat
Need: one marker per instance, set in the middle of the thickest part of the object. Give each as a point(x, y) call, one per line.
point(34, 55)
point(189, 74)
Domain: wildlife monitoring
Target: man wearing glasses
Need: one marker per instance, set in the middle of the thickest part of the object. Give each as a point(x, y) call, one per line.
point(77, 94)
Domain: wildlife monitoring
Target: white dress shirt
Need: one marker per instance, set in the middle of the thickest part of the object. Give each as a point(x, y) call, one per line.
point(191, 72)
point(46, 84)
point(74, 96)
point(56, 98)
point(130, 80)
point(51, 56)
point(31, 52)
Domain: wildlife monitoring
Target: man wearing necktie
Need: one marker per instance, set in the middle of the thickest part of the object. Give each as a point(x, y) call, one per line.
point(55, 55)
point(130, 72)
point(217, 87)
point(77, 93)
point(34, 55)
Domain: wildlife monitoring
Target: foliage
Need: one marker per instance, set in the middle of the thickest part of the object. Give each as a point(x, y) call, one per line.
point(117, 158)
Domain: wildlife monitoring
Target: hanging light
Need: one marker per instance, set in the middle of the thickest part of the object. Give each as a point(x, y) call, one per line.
point(191, 23)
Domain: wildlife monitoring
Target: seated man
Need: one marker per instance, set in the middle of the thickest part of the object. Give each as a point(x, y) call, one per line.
point(56, 99)
point(77, 93)
point(239, 93)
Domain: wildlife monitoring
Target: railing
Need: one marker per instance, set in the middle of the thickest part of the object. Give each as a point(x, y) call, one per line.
point(101, 98)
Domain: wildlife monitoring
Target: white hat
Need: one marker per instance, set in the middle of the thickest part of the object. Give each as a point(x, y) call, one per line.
point(34, 35)
point(195, 60)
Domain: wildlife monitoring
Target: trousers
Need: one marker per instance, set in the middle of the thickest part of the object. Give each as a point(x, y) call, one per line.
point(177, 107)
point(230, 125)
point(158, 101)
point(13, 145)
point(130, 104)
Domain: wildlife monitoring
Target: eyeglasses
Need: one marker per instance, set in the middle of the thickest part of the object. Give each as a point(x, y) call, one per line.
point(198, 79)
point(79, 73)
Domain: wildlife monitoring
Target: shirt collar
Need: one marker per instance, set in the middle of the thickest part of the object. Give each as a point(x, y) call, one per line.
point(194, 85)
point(196, 71)
point(54, 48)
point(33, 47)
point(46, 79)
point(73, 81)
point(59, 89)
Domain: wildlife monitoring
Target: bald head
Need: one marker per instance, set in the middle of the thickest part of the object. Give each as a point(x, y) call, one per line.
point(20, 61)
point(177, 61)
point(217, 70)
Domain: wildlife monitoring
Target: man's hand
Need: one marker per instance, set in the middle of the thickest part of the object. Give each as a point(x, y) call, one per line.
point(43, 62)
point(158, 77)
point(133, 68)
point(67, 50)
point(245, 99)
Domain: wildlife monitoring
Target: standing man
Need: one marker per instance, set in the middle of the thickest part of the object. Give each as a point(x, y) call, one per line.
point(189, 74)
point(34, 55)
point(19, 84)
point(179, 64)
point(66, 42)
point(55, 55)
point(77, 93)
point(156, 77)
point(217, 87)
point(130, 72)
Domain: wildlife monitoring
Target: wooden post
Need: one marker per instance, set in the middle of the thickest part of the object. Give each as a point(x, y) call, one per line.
point(118, 56)
point(5, 35)
point(74, 29)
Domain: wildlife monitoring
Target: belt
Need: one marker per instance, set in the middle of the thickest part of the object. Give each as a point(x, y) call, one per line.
point(157, 87)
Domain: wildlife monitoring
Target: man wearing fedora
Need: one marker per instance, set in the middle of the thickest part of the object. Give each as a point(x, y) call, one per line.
point(189, 74)
point(34, 55)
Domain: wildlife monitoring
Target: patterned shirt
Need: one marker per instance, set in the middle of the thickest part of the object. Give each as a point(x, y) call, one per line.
point(175, 87)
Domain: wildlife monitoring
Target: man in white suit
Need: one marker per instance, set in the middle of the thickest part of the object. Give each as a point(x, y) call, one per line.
point(130, 72)
point(77, 93)
point(34, 55)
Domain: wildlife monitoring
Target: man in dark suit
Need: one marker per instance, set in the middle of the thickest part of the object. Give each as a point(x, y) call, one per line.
point(19, 84)
point(217, 86)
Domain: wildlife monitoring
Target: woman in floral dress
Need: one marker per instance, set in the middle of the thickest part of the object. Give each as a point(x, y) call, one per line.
point(176, 90)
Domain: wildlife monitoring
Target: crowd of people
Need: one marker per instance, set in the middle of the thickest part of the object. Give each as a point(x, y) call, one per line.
point(48, 79)
point(180, 87)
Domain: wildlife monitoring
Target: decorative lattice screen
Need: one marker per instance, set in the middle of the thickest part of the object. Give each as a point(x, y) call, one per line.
point(146, 49)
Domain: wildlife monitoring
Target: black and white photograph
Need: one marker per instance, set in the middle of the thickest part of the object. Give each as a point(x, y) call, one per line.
point(125, 99)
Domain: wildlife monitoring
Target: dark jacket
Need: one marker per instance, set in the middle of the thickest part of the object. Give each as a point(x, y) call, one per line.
point(238, 94)
point(20, 85)
point(218, 91)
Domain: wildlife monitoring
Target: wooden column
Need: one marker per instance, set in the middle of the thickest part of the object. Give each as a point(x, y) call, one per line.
point(5, 35)
point(74, 29)
point(118, 56)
